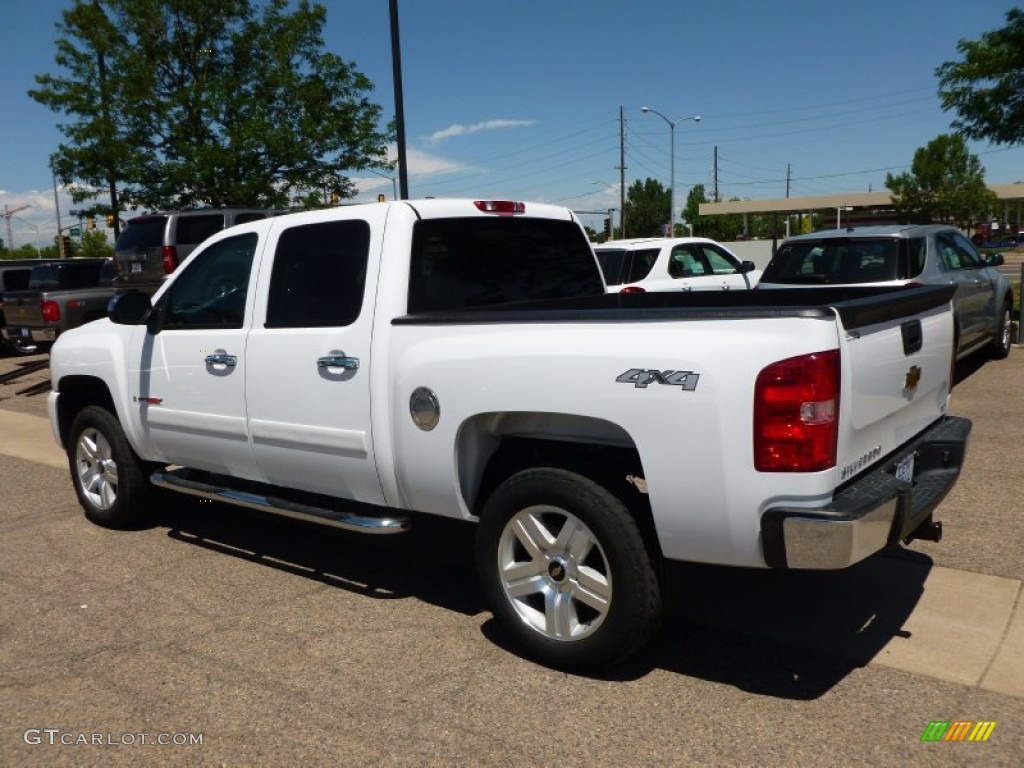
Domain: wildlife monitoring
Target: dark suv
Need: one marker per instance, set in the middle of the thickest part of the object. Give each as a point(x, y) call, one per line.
point(904, 254)
point(152, 246)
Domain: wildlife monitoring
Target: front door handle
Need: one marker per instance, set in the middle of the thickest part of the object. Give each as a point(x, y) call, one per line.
point(338, 360)
point(222, 358)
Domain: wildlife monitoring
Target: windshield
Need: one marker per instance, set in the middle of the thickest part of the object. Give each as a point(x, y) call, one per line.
point(838, 261)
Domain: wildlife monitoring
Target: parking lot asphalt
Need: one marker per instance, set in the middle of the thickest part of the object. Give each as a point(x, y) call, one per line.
point(279, 643)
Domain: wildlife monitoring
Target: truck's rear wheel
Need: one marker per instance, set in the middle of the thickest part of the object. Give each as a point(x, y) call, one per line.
point(109, 478)
point(565, 569)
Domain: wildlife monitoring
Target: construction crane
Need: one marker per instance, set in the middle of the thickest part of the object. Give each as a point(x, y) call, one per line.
point(7, 214)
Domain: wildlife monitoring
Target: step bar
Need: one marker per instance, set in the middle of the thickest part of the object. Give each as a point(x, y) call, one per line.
point(216, 488)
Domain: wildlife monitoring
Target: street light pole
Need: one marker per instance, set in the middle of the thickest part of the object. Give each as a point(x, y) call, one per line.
point(672, 162)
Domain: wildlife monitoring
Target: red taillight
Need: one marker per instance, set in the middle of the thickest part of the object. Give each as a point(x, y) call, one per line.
point(51, 312)
point(632, 289)
point(170, 259)
point(796, 414)
point(499, 206)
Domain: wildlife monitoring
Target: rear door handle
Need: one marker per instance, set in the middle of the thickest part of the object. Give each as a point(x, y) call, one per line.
point(338, 360)
point(222, 358)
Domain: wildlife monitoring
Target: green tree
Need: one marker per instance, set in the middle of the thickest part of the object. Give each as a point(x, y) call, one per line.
point(720, 227)
point(647, 204)
point(94, 243)
point(946, 184)
point(986, 87)
point(208, 104)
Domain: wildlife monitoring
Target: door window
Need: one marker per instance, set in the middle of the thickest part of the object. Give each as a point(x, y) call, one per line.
point(721, 263)
point(684, 262)
point(319, 275)
point(212, 291)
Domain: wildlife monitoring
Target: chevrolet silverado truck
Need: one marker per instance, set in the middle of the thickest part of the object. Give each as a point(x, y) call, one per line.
point(362, 366)
point(61, 294)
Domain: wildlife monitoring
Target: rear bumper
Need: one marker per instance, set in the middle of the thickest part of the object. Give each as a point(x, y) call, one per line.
point(873, 511)
point(29, 334)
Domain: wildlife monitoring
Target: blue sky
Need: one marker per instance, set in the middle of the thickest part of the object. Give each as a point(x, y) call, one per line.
point(521, 99)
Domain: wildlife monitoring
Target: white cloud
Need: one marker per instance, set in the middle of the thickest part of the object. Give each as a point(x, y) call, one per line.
point(463, 130)
point(422, 165)
point(37, 224)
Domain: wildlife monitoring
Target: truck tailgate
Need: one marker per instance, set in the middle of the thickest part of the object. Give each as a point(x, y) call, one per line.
point(897, 368)
point(21, 308)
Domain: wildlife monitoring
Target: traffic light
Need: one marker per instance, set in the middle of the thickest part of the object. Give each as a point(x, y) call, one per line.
point(335, 197)
point(110, 221)
point(608, 226)
point(381, 198)
point(65, 246)
point(91, 223)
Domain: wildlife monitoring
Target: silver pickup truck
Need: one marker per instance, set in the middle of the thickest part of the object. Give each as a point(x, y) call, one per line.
point(61, 294)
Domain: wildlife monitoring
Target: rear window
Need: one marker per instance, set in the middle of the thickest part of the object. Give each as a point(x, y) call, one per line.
point(192, 230)
point(62, 277)
point(145, 232)
point(477, 262)
point(839, 260)
point(14, 279)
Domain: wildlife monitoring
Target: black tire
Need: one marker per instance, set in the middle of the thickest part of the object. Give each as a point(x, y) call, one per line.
point(1001, 341)
point(588, 599)
point(110, 480)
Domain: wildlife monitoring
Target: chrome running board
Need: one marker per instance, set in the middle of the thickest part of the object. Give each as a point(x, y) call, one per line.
point(218, 488)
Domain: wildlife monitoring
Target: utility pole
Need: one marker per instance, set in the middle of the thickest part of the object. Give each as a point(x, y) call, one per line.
point(56, 208)
point(714, 175)
point(787, 179)
point(622, 172)
point(396, 69)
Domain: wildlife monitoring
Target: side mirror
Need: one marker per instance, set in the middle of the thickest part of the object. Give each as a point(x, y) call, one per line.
point(994, 260)
point(747, 266)
point(129, 308)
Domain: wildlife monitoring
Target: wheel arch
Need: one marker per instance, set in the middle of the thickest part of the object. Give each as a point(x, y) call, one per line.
point(492, 447)
point(77, 392)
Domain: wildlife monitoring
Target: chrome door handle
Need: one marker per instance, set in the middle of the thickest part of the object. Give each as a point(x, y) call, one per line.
point(338, 361)
point(222, 358)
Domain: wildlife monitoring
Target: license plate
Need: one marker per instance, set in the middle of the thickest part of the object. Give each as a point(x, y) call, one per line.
point(136, 266)
point(905, 469)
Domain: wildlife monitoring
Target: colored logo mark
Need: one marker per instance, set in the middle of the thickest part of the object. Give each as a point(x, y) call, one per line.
point(958, 730)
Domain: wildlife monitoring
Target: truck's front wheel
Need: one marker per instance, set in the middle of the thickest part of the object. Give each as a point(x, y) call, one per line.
point(565, 569)
point(109, 478)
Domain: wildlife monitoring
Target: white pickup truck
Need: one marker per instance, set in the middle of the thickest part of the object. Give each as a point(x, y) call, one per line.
point(357, 365)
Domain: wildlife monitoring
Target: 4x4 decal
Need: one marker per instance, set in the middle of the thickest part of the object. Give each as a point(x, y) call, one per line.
point(641, 377)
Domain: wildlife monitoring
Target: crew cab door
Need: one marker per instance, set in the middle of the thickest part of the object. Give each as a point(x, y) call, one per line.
point(974, 303)
point(189, 385)
point(308, 374)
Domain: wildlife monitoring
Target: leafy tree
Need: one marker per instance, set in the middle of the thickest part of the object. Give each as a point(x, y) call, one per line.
point(647, 204)
point(187, 102)
point(946, 183)
point(986, 88)
point(720, 227)
point(94, 243)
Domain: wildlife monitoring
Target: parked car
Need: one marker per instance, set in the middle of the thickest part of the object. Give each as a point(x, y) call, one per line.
point(14, 274)
point(931, 254)
point(61, 294)
point(673, 264)
point(151, 247)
